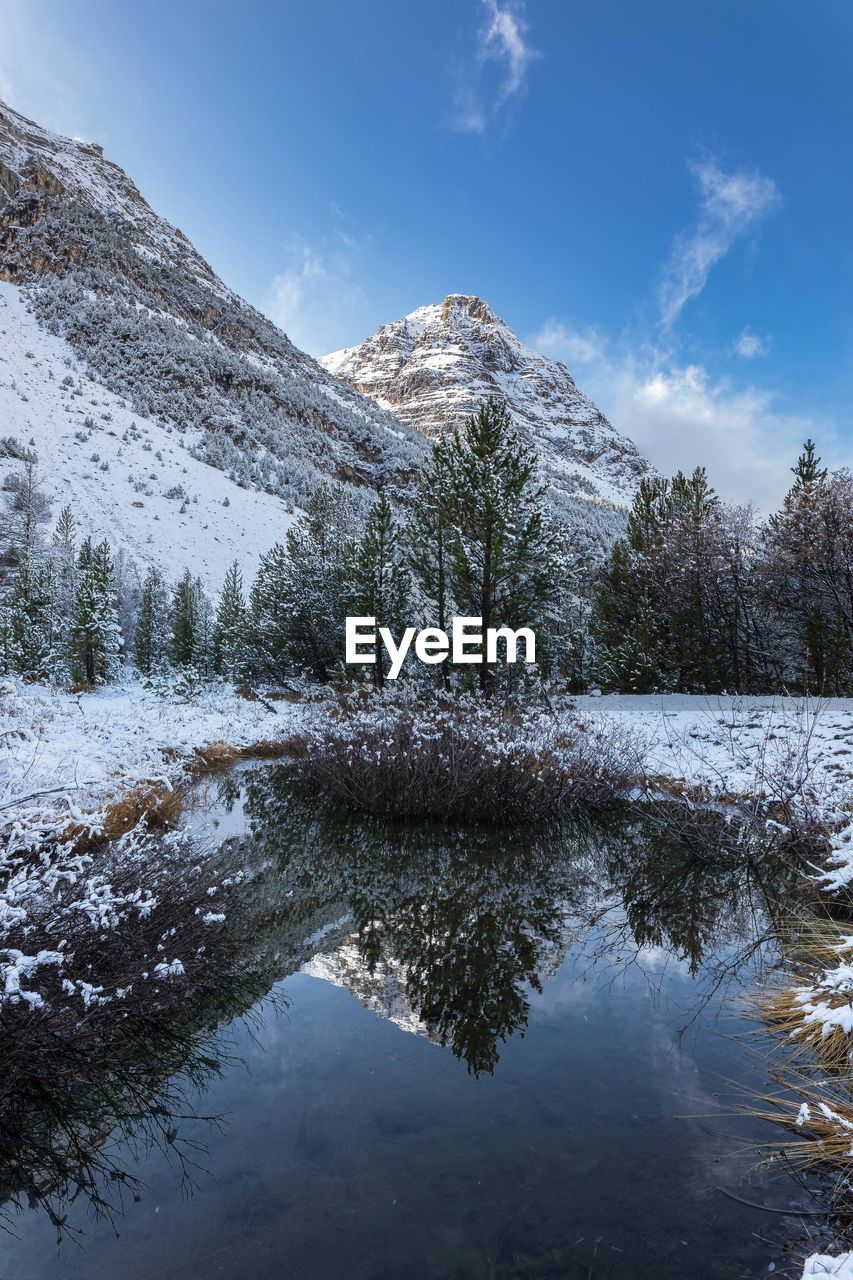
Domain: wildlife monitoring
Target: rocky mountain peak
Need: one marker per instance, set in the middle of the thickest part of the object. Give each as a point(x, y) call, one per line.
point(433, 367)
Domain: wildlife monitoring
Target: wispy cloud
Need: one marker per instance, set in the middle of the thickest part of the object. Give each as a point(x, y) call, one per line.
point(502, 41)
point(749, 345)
point(572, 346)
point(731, 204)
point(316, 296)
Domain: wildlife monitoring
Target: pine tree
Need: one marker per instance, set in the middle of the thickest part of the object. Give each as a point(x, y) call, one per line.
point(270, 602)
point(95, 637)
point(64, 556)
point(151, 640)
point(800, 578)
point(229, 635)
point(503, 550)
point(205, 630)
point(378, 581)
point(428, 537)
point(656, 620)
point(191, 643)
point(25, 509)
point(31, 606)
point(317, 547)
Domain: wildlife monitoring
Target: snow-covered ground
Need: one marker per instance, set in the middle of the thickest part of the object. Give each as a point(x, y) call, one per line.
point(77, 751)
point(820, 1266)
point(718, 742)
point(798, 748)
point(117, 471)
point(65, 756)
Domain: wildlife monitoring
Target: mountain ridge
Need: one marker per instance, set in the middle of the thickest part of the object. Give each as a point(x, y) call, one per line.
point(432, 367)
point(114, 324)
point(175, 383)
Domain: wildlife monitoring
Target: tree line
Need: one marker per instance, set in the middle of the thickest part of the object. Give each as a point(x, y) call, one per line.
point(477, 540)
point(702, 597)
point(699, 596)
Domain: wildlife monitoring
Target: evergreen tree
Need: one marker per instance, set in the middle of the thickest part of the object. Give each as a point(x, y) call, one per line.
point(95, 637)
point(318, 545)
point(229, 635)
point(25, 509)
point(665, 616)
point(64, 556)
point(205, 632)
point(30, 619)
point(503, 550)
point(428, 538)
point(269, 616)
point(807, 577)
point(191, 643)
point(151, 640)
point(377, 577)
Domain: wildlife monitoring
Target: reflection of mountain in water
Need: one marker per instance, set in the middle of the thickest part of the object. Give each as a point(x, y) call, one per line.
point(444, 932)
point(381, 989)
point(447, 932)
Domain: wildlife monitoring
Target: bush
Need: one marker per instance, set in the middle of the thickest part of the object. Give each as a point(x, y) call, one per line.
point(453, 758)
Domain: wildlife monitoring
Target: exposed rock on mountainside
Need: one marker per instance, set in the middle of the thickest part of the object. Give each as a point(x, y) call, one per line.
point(145, 317)
point(186, 427)
point(433, 367)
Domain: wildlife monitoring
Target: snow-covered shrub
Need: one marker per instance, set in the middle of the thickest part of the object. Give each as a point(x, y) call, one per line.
point(437, 756)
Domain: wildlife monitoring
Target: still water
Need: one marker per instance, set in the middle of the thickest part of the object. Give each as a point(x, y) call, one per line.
point(480, 1057)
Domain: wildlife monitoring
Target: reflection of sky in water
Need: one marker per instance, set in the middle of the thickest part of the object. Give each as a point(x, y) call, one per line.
point(356, 1151)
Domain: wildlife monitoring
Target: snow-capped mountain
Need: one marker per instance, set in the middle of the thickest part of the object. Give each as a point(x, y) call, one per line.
point(434, 367)
point(182, 425)
point(180, 422)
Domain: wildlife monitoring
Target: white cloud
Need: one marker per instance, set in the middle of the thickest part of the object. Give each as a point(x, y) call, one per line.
point(681, 417)
point(749, 345)
point(315, 297)
point(731, 205)
point(501, 39)
point(571, 346)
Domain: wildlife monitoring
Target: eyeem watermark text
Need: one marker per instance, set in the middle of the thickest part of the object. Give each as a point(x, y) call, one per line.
point(432, 645)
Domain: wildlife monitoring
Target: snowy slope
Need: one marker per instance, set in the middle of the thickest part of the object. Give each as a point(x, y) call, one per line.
point(152, 325)
point(435, 366)
point(126, 503)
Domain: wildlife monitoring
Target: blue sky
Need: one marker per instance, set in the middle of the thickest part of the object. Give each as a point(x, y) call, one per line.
point(657, 191)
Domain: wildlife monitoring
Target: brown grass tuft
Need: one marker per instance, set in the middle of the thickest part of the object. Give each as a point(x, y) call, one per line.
point(154, 803)
point(822, 1125)
point(814, 945)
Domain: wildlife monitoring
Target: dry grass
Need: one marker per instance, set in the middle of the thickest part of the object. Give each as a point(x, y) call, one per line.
point(822, 1124)
point(814, 945)
point(155, 804)
point(220, 755)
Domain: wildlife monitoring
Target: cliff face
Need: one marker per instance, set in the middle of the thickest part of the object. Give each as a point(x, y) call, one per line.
point(434, 367)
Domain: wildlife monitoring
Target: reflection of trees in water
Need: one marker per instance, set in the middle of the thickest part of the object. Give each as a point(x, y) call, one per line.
point(471, 922)
point(695, 884)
